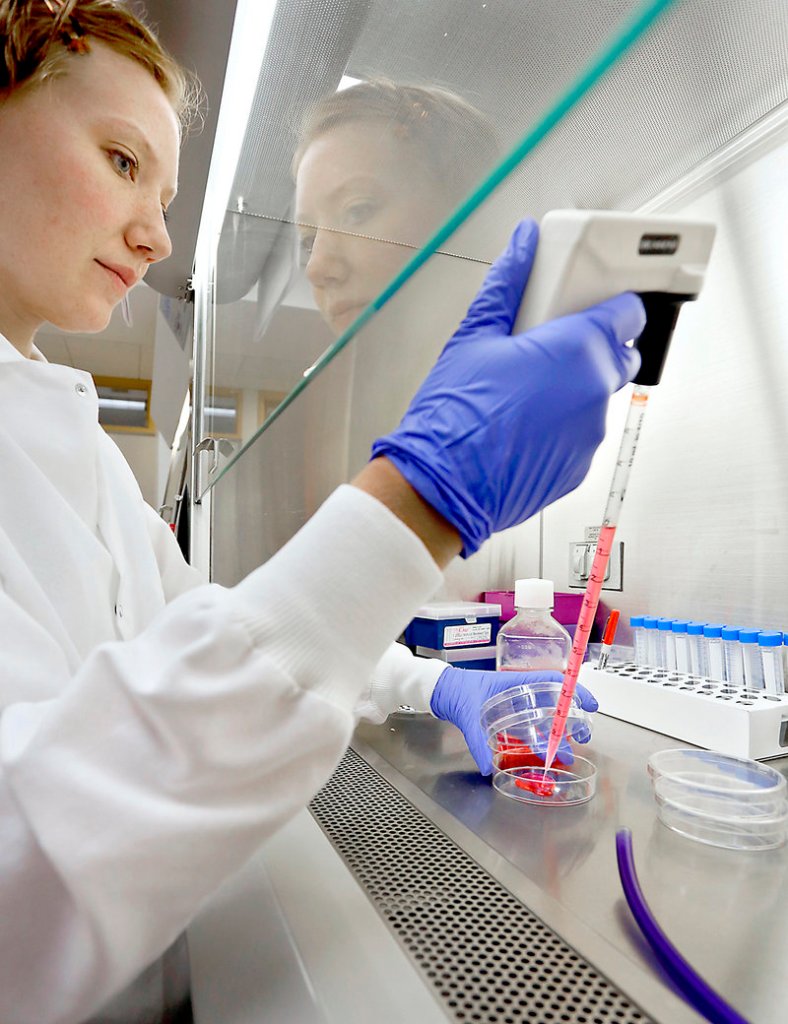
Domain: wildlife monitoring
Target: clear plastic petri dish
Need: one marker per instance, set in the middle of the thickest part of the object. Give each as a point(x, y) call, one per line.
point(523, 715)
point(719, 799)
point(559, 786)
point(517, 725)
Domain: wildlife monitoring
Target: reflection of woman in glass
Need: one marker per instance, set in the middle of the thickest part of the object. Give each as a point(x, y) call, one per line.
point(379, 166)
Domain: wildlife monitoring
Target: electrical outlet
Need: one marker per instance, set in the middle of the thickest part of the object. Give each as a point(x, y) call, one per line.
point(581, 558)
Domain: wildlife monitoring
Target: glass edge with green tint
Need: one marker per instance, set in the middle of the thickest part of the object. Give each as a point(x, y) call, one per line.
point(622, 42)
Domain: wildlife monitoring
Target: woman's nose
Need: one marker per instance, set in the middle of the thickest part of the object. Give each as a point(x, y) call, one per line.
point(148, 236)
point(326, 264)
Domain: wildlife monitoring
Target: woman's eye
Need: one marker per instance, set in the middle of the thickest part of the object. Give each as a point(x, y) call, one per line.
point(124, 164)
point(359, 213)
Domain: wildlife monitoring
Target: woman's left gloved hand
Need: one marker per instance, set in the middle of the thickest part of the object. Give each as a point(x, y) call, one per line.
point(459, 694)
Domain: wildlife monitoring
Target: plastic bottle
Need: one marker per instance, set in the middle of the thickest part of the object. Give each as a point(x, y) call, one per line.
point(681, 643)
point(771, 647)
point(712, 635)
point(533, 640)
point(734, 661)
point(638, 638)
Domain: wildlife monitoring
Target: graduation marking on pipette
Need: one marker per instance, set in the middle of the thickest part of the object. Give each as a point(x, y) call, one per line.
point(615, 499)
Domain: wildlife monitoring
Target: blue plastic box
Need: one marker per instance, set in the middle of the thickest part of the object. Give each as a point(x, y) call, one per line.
point(443, 626)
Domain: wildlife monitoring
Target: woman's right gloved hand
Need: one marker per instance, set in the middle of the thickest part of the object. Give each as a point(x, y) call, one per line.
point(506, 424)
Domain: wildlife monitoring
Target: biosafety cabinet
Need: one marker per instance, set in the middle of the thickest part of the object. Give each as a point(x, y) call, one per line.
point(334, 254)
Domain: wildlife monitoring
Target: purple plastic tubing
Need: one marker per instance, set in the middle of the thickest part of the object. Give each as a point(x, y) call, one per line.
point(695, 990)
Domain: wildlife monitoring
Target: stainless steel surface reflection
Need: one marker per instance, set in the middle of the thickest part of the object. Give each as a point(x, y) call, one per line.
point(726, 911)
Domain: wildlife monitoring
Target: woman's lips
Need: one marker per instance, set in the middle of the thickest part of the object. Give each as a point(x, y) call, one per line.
point(124, 276)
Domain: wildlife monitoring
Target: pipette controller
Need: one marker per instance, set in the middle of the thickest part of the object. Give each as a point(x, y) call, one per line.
point(585, 257)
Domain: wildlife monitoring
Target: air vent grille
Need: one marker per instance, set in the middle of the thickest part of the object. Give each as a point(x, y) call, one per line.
point(487, 958)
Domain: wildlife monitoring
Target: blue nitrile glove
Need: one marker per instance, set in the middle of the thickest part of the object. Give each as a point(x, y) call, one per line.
point(506, 424)
point(460, 692)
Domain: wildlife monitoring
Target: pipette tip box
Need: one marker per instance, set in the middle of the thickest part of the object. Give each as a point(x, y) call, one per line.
point(718, 716)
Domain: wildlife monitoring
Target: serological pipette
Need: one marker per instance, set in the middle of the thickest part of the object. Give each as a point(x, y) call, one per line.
point(615, 499)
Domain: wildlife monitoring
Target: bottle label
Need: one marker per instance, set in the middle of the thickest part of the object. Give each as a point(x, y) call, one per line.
point(477, 635)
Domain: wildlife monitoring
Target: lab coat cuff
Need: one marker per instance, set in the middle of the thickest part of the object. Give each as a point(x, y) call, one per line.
point(334, 597)
point(400, 679)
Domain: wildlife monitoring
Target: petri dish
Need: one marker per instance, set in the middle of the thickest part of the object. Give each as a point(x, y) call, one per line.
point(719, 799)
point(517, 724)
point(524, 714)
point(560, 786)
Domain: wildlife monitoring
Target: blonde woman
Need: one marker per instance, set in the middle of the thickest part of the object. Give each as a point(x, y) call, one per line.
point(155, 730)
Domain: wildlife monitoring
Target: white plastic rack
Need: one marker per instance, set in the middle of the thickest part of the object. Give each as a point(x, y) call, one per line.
point(718, 716)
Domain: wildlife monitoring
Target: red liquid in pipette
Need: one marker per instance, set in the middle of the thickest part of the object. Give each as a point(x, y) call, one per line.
point(580, 642)
point(615, 499)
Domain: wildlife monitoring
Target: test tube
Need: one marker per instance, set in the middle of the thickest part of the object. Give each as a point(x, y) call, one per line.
point(751, 655)
point(652, 648)
point(785, 655)
point(734, 660)
point(697, 649)
point(667, 649)
point(681, 644)
point(715, 656)
point(638, 638)
point(771, 645)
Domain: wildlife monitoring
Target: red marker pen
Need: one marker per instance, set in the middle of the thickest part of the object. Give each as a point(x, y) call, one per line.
point(608, 637)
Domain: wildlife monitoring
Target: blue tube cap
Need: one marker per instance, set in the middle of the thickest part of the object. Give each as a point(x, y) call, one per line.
point(695, 628)
point(679, 626)
point(650, 621)
point(665, 625)
point(730, 632)
point(748, 636)
point(769, 639)
point(635, 621)
point(712, 629)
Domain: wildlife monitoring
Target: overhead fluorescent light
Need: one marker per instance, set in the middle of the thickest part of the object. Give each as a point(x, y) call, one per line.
point(121, 403)
point(251, 29)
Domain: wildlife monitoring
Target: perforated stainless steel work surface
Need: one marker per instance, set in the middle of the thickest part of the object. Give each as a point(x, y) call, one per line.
point(486, 957)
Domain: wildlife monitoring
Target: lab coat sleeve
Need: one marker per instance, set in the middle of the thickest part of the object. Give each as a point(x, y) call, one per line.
point(400, 678)
point(168, 759)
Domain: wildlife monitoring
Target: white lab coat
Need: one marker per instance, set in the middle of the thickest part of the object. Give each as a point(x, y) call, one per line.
point(153, 730)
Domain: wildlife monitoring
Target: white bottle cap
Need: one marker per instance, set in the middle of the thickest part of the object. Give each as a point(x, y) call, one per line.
point(533, 593)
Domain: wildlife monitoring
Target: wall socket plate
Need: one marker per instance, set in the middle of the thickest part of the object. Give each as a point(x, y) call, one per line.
point(581, 558)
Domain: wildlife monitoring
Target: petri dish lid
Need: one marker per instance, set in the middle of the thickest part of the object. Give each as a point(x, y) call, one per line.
point(523, 714)
point(716, 773)
point(720, 799)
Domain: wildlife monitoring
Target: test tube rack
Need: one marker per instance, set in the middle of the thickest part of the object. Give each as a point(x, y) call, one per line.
point(707, 713)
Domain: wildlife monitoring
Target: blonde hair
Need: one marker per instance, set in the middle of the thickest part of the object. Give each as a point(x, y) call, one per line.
point(39, 38)
point(457, 143)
